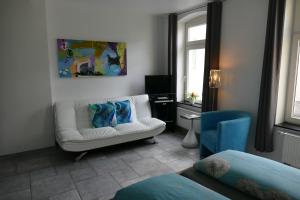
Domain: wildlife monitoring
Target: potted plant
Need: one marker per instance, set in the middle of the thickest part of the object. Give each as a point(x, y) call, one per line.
point(193, 97)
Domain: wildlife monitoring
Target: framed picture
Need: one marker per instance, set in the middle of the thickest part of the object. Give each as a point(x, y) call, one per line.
point(83, 58)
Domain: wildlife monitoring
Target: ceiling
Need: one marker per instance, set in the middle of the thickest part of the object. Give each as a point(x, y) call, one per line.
point(148, 6)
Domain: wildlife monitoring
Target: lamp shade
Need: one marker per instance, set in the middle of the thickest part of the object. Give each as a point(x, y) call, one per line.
point(215, 78)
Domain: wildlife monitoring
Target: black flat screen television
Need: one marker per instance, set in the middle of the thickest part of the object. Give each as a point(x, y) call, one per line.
point(158, 84)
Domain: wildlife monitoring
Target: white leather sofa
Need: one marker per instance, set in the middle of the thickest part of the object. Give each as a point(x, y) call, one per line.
point(74, 132)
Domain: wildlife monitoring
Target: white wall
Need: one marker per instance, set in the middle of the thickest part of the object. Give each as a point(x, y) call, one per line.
point(242, 50)
point(95, 20)
point(25, 112)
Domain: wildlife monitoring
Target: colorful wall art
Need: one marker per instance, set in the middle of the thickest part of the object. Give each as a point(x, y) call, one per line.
point(80, 58)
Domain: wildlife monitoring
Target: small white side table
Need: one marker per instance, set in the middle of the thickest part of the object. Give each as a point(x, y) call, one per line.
point(190, 140)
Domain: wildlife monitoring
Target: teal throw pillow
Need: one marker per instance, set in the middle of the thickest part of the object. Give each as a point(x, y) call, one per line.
point(123, 111)
point(102, 115)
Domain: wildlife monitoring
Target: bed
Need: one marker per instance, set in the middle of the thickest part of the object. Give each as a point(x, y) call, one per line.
point(215, 185)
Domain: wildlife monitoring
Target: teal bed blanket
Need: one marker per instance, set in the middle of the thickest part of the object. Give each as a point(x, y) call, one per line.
point(167, 187)
point(260, 177)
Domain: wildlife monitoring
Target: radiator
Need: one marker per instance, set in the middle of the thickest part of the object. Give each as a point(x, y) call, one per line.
point(291, 149)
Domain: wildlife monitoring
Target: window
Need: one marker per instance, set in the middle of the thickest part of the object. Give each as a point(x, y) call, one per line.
point(195, 34)
point(293, 99)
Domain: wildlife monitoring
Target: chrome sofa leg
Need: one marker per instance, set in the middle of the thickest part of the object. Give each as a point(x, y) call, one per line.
point(80, 156)
point(152, 140)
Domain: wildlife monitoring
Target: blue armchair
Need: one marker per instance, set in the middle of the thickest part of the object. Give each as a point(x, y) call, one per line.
point(223, 130)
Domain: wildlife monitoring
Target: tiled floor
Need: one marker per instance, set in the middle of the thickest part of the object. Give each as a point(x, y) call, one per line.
point(51, 173)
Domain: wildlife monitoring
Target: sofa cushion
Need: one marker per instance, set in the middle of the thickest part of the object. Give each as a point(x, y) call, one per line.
point(80, 108)
point(97, 133)
point(142, 106)
point(102, 115)
point(123, 111)
point(128, 128)
point(152, 123)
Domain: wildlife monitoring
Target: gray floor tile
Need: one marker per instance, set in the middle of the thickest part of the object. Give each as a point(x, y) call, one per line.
point(107, 197)
point(182, 153)
point(116, 153)
point(128, 155)
point(173, 138)
point(165, 157)
point(131, 156)
point(70, 195)
point(97, 187)
point(162, 171)
point(52, 186)
point(167, 146)
point(124, 175)
point(130, 182)
point(182, 164)
point(147, 166)
point(82, 174)
point(42, 173)
point(19, 195)
point(27, 165)
point(8, 168)
point(14, 183)
point(64, 168)
point(149, 151)
point(98, 176)
point(108, 165)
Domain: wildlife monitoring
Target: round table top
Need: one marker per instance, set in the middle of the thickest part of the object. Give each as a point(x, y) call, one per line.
point(190, 116)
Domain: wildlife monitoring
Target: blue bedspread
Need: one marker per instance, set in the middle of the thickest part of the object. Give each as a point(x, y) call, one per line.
point(254, 175)
point(167, 187)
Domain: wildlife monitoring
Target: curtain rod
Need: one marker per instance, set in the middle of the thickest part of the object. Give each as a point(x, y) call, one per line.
point(198, 7)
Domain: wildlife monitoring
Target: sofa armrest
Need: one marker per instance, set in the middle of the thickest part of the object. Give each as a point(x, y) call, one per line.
point(65, 122)
point(65, 117)
point(233, 134)
point(68, 135)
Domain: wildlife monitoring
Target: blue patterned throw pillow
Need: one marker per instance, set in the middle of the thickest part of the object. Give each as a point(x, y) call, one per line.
point(123, 111)
point(102, 115)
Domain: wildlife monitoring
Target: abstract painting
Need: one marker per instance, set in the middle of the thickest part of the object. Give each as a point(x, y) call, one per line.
point(81, 58)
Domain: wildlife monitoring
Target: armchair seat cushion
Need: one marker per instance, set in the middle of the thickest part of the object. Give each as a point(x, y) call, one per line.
point(209, 137)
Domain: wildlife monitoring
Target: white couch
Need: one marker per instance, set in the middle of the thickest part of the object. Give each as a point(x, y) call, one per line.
point(74, 132)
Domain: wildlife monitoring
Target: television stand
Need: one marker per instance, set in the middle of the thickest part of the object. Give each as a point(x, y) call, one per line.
point(163, 107)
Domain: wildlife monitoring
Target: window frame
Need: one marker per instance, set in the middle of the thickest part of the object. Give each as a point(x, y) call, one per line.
point(293, 72)
point(197, 44)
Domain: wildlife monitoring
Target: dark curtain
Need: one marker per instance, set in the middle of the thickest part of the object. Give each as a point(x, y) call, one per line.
point(270, 77)
point(172, 50)
point(212, 54)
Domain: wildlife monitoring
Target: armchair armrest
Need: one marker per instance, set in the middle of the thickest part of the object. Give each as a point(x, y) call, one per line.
point(233, 134)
